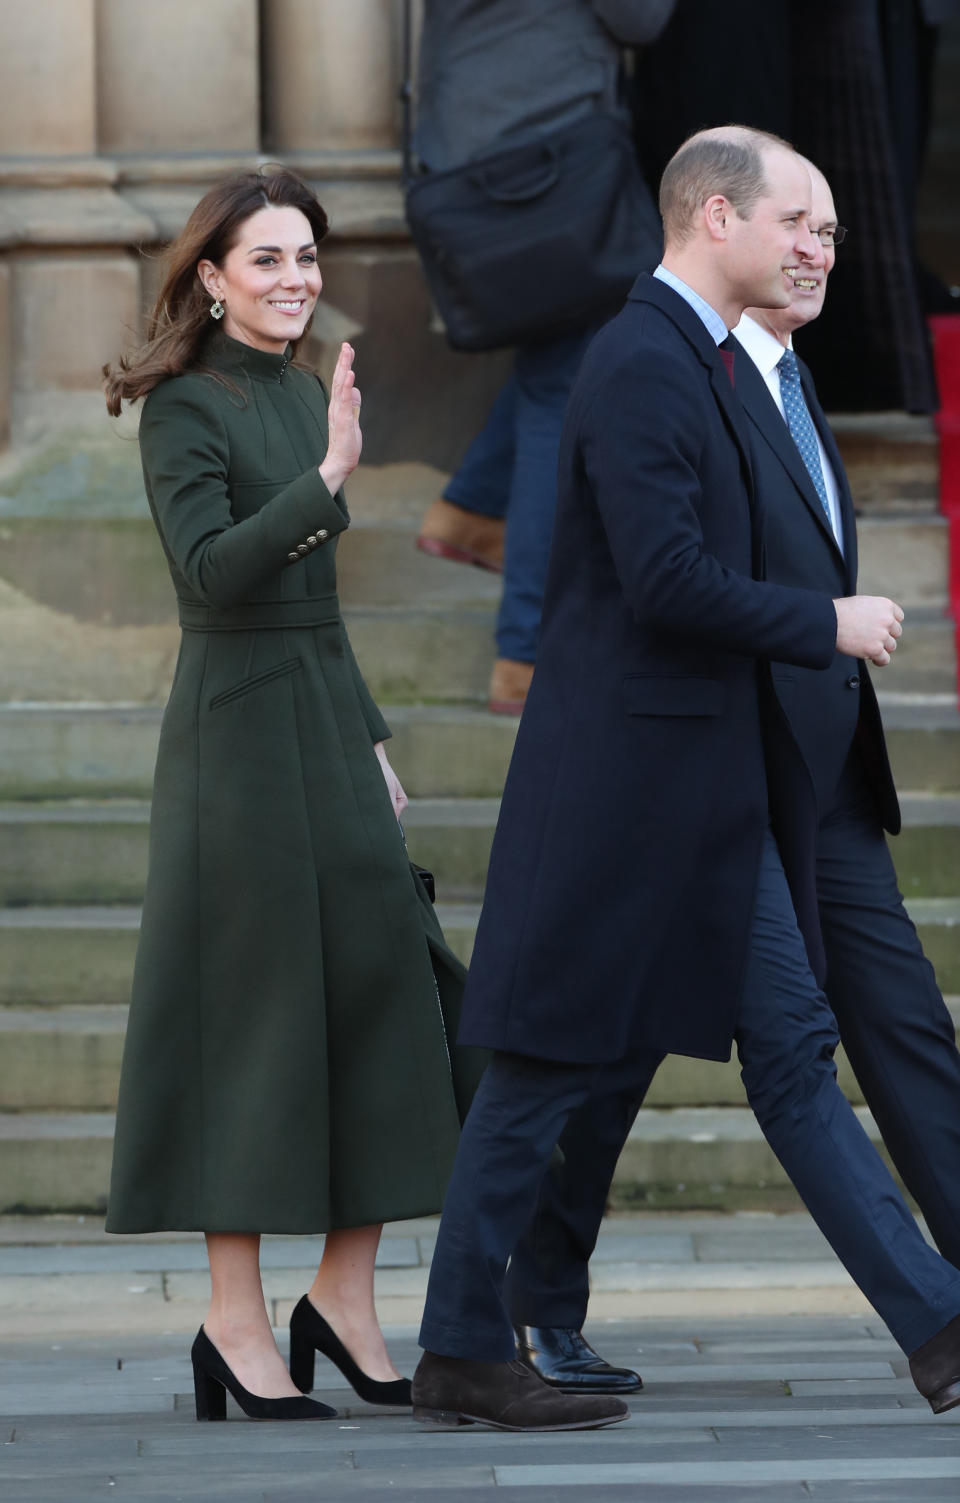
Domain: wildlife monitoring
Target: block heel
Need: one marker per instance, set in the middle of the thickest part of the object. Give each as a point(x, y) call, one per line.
point(210, 1395)
point(213, 1380)
point(303, 1357)
point(310, 1333)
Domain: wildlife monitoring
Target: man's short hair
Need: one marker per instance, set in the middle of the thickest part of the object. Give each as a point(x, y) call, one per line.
point(729, 160)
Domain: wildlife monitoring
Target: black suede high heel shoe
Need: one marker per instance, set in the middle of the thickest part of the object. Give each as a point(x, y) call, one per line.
point(309, 1334)
point(213, 1380)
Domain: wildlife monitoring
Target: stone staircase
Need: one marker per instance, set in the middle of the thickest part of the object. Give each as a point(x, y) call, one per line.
point(85, 613)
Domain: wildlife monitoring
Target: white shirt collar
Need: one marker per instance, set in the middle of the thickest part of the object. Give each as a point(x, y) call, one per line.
point(708, 315)
point(760, 345)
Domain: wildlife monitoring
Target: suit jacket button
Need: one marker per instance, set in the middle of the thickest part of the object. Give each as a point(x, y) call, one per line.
point(853, 682)
point(312, 542)
point(322, 535)
point(302, 549)
point(294, 558)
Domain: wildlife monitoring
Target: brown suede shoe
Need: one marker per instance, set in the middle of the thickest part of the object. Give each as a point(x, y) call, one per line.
point(509, 683)
point(935, 1368)
point(467, 537)
point(451, 1391)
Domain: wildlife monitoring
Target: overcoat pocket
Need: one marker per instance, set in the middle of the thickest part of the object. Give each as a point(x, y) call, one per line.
point(649, 694)
point(255, 681)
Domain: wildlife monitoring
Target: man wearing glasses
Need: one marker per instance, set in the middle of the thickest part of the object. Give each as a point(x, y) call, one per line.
point(892, 1020)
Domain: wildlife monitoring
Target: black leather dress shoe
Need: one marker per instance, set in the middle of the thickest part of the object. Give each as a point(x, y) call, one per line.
point(562, 1358)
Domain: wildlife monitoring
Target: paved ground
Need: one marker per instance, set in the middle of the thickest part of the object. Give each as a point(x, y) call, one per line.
point(766, 1379)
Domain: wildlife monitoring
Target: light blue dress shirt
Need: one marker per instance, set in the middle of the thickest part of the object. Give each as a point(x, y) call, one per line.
point(715, 324)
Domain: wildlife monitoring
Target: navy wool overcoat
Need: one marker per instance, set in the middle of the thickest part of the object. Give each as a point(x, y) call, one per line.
point(622, 878)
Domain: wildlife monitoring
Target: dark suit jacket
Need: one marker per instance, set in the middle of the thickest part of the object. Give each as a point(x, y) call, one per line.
point(828, 710)
point(622, 877)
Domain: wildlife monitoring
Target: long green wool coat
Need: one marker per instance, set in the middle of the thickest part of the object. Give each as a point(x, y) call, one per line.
point(287, 1065)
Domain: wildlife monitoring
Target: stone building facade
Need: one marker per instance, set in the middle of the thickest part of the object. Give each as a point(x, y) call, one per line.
point(116, 115)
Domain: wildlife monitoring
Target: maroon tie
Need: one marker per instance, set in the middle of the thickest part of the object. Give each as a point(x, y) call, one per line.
point(727, 357)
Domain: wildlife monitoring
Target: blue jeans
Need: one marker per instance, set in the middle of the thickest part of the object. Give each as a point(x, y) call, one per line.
point(510, 470)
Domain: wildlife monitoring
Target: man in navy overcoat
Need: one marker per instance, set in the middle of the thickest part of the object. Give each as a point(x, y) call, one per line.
point(890, 1015)
point(651, 887)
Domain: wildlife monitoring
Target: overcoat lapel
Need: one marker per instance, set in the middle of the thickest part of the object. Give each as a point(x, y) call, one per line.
point(649, 289)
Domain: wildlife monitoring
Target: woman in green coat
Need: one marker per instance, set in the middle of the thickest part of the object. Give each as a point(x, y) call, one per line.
point(287, 1066)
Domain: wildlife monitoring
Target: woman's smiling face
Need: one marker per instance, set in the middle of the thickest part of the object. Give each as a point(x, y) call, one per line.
point(269, 281)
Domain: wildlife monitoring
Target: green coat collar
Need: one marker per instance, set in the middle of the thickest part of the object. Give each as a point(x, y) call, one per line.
point(225, 354)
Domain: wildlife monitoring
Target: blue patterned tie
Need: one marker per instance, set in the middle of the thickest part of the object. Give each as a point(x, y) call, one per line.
point(801, 426)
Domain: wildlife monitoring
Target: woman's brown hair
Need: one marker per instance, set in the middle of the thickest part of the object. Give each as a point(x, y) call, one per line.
point(180, 321)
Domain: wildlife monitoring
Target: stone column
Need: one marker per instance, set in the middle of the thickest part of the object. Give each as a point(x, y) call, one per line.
point(177, 75)
point(47, 97)
point(71, 312)
point(331, 74)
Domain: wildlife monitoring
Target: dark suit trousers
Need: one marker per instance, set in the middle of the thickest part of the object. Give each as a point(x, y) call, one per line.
point(786, 1036)
point(892, 1020)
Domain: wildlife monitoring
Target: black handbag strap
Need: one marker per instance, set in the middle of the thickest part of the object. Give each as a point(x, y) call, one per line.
point(406, 92)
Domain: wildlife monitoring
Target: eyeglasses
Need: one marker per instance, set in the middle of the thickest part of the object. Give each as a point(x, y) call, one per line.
point(835, 236)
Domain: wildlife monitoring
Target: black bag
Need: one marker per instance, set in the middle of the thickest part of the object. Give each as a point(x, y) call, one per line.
point(531, 241)
point(538, 240)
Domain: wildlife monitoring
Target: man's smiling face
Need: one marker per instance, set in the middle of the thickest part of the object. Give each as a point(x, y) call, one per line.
point(811, 272)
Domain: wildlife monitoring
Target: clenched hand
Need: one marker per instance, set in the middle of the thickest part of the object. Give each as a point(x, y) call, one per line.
point(868, 627)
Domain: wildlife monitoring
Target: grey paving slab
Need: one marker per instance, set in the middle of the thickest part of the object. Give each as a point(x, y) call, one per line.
point(848, 1345)
point(772, 1274)
point(739, 1472)
point(879, 1492)
point(159, 1257)
point(738, 1245)
point(645, 1247)
point(787, 1416)
point(789, 1371)
point(736, 1393)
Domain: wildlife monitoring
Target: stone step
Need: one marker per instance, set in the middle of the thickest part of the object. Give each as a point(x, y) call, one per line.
point(108, 750)
point(682, 1157)
point(55, 1161)
point(61, 1058)
point(923, 738)
point(706, 1156)
point(420, 654)
point(82, 750)
point(95, 851)
point(891, 459)
point(73, 851)
point(112, 572)
point(445, 654)
point(926, 853)
point(68, 1059)
point(70, 956)
point(905, 557)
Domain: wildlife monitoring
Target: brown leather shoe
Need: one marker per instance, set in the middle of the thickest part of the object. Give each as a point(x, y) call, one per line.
point(451, 1391)
point(467, 537)
point(935, 1368)
point(509, 683)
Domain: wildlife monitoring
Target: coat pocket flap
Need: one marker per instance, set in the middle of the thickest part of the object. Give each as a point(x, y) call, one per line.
point(645, 694)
